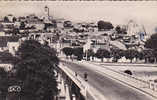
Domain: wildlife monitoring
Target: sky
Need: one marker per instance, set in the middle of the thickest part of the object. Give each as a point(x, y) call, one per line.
point(117, 12)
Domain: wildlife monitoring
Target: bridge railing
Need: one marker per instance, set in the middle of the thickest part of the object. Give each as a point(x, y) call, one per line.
point(86, 89)
point(131, 80)
point(153, 86)
point(126, 79)
point(147, 84)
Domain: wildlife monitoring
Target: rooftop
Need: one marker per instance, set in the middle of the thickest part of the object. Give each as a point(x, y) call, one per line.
point(5, 39)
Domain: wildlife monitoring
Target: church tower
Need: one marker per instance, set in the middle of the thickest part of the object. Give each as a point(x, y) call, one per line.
point(46, 11)
point(47, 14)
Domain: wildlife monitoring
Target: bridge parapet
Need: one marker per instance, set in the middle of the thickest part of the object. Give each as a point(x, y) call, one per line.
point(89, 92)
point(149, 88)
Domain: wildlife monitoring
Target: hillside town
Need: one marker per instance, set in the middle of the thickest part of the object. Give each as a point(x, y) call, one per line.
point(32, 46)
point(61, 33)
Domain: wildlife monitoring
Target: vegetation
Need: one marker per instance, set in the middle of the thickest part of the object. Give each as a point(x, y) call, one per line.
point(151, 45)
point(6, 19)
point(35, 69)
point(147, 55)
point(67, 51)
point(102, 25)
point(102, 53)
point(7, 57)
point(116, 54)
point(3, 83)
point(14, 19)
point(120, 30)
point(78, 52)
point(131, 54)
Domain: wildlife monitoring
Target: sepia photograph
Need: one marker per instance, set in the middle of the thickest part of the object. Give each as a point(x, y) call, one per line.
point(78, 50)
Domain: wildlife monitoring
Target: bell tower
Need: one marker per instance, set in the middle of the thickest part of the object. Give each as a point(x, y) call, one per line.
point(47, 11)
point(46, 15)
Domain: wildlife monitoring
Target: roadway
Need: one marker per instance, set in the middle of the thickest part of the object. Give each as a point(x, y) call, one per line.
point(111, 89)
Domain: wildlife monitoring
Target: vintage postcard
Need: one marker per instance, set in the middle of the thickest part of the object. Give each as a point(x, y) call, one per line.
point(78, 50)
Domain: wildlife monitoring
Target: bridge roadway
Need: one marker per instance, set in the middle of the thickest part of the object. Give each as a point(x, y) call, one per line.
point(111, 89)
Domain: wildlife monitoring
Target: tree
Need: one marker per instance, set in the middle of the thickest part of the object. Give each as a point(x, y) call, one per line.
point(155, 56)
point(3, 83)
point(104, 25)
point(151, 43)
point(35, 69)
point(6, 19)
point(102, 53)
point(147, 54)
point(14, 19)
point(7, 57)
point(131, 53)
point(78, 52)
point(68, 51)
point(3, 73)
point(117, 54)
point(118, 29)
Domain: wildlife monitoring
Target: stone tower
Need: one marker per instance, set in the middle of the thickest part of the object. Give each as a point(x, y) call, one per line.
point(47, 14)
point(46, 11)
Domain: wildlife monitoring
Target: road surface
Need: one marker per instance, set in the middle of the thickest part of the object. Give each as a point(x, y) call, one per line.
point(111, 89)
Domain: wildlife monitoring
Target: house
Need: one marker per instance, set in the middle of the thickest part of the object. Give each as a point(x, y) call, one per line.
point(17, 24)
point(2, 33)
point(36, 36)
point(95, 45)
point(6, 61)
point(7, 25)
point(38, 25)
point(10, 17)
point(21, 19)
point(60, 25)
point(13, 44)
point(41, 37)
point(9, 43)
